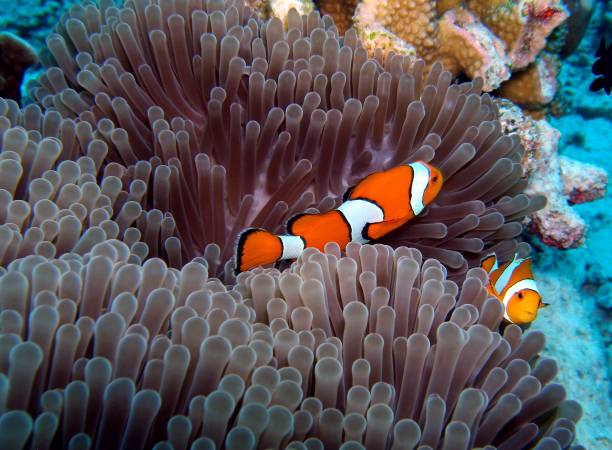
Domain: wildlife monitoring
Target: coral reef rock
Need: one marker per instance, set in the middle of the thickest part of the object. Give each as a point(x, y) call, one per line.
point(490, 39)
point(582, 182)
point(534, 87)
point(561, 180)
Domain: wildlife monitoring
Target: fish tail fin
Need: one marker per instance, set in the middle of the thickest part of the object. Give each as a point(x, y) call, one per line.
point(489, 263)
point(256, 247)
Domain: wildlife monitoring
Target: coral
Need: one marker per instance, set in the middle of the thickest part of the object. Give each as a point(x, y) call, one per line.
point(279, 8)
point(582, 182)
point(414, 24)
point(16, 55)
point(98, 352)
point(379, 43)
point(342, 12)
point(468, 47)
point(558, 224)
point(523, 25)
point(201, 144)
point(535, 86)
point(488, 39)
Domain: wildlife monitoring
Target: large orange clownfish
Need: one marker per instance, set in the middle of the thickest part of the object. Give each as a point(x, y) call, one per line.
point(513, 285)
point(378, 204)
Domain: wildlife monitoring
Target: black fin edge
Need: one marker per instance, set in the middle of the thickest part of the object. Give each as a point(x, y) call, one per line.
point(292, 220)
point(242, 237)
point(347, 193)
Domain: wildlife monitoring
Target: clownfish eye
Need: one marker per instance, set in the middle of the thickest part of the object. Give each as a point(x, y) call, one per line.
point(520, 295)
point(435, 178)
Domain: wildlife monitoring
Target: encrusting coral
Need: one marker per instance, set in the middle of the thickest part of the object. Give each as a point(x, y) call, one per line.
point(276, 121)
point(515, 45)
point(349, 352)
point(534, 87)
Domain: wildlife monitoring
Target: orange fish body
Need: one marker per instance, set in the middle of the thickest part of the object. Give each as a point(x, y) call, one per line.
point(513, 284)
point(377, 205)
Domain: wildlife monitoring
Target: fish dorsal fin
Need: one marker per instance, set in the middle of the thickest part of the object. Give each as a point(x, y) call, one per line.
point(347, 193)
point(489, 263)
point(602, 48)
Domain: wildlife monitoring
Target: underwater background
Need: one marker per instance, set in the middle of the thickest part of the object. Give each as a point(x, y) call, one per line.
point(571, 247)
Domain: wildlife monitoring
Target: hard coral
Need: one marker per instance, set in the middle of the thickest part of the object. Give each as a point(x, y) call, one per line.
point(230, 124)
point(489, 39)
point(342, 12)
point(375, 350)
point(558, 225)
point(523, 25)
point(535, 86)
point(468, 47)
point(561, 180)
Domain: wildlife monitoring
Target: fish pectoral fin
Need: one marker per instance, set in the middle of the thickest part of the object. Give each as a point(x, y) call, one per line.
point(373, 231)
point(543, 305)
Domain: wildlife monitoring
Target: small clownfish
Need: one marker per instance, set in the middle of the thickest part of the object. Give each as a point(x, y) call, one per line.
point(378, 204)
point(514, 286)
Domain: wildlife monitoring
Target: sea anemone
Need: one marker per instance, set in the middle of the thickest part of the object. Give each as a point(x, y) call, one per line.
point(213, 121)
point(373, 350)
point(161, 129)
